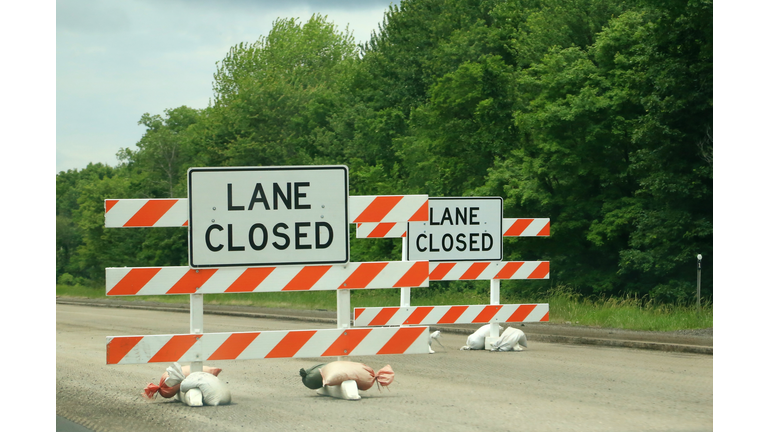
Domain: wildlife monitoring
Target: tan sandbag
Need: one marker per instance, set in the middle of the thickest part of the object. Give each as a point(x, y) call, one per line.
point(337, 372)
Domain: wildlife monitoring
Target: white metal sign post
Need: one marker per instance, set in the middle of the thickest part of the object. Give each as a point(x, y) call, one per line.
point(268, 215)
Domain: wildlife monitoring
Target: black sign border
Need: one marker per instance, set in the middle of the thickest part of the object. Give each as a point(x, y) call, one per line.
point(501, 230)
point(279, 168)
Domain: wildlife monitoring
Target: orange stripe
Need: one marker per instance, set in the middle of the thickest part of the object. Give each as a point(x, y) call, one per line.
point(291, 344)
point(415, 276)
point(363, 275)
point(440, 271)
point(346, 342)
point(378, 208)
point(401, 340)
point(486, 314)
point(186, 223)
point(306, 278)
point(108, 204)
point(518, 227)
point(474, 270)
point(422, 214)
point(521, 313)
point(150, 213)
point(192, 279)
point(544, 231)
point(382, 318)
point(250, 279)
point(381, 229)
point(509, 270)
point(452, 315)
point(418, 315)
point(174, 348)
point(541, 271)
point(545, 317)
point(358, 311)
point(134, 281)
point(118, 347)
point(233, 346)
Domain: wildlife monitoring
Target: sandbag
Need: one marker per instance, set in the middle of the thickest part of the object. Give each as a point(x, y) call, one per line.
point(167, 390)
point(312, 378)
point(214, 392)
point(510, 340)
point(337, 372)
point(476, 341)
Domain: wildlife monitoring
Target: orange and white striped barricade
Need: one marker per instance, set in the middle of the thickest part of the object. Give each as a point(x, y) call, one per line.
point(511, 227)
point(471, 314)
point(488, 270)
point(174, 212)
point(266, 345)
point(122, 281)
point(525, 227)
point(198, 280)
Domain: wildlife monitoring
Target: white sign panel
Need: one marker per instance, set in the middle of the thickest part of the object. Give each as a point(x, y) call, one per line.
point(459, 229)
point(256, 216)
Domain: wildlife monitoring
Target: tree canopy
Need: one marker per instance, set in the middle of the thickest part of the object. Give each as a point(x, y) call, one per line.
point(594, 113)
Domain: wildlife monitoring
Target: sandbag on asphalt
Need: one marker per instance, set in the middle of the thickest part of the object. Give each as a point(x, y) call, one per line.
point(168, 391)
point(203, 388)
point(312, 378)
point(337, 372)
point(510, 340)
point(476, 341)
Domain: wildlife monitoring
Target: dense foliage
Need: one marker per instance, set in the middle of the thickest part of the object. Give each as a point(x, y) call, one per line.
point(594, 113)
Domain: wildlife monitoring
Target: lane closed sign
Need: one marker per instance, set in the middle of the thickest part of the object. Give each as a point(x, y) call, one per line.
point(257, 216)
point(459, 229)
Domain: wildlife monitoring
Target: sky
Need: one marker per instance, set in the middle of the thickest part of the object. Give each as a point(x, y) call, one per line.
point(116, 60)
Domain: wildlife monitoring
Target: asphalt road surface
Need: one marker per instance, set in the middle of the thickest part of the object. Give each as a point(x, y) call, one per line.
point(548, 387)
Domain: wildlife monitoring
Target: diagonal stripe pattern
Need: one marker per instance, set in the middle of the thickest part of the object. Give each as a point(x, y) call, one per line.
point(174, 212)
point(122, 281)
point(267, 344)
point(525, 227)
point(488, 270)
point(429, 315)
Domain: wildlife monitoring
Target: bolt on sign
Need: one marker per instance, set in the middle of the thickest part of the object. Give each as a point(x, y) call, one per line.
point(458, 229)
point(256, 216)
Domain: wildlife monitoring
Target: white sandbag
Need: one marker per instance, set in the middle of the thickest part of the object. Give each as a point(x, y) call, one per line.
point(346, 390)
point(510, 340)
point(213, 391)
point(175, 375)
point(476, 341)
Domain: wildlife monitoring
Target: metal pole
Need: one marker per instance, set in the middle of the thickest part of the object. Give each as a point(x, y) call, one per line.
point(196, 326)
point(698, 283)
point(405, 293)
point(495, 299)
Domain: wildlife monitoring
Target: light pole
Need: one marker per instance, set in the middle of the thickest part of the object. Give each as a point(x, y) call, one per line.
point(698, 283)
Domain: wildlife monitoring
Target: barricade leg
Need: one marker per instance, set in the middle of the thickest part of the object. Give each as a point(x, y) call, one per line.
point(495, 298)
point(196, 324)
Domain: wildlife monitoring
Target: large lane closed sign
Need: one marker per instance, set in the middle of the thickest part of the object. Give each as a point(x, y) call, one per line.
point(459, 229)
point(256, 216)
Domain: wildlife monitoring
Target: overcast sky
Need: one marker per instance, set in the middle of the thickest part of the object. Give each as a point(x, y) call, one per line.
point(116, 60)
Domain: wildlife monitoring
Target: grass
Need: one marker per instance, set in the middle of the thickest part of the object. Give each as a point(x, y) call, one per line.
point(565, 307)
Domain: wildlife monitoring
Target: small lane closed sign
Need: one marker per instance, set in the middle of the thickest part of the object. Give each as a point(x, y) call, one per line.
point(257, 216)
point(459, 229)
